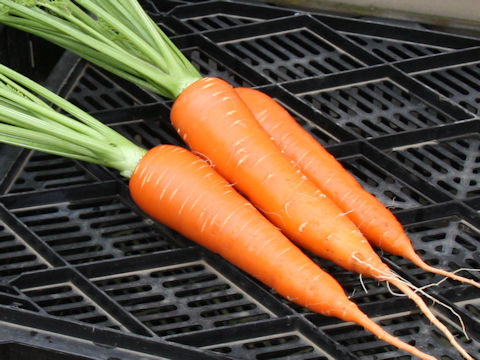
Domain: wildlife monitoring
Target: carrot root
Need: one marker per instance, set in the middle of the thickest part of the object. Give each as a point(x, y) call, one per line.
point(246, 156)
point(376, 329)
point(448, 274)
point(375, 221)
point(412, 295)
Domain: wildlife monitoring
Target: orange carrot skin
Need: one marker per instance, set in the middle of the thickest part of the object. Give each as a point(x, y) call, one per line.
point(182, 191)
point(375, 221)
point(214, 121)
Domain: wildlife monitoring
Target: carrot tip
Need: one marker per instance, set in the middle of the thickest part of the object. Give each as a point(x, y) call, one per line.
point(361, 319)
point(407, 290)
point(447, 274)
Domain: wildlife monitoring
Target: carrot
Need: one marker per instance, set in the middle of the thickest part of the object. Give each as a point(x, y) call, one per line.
point(120, 37)
point(215, 122)
point(181, 190)
point(376, 222)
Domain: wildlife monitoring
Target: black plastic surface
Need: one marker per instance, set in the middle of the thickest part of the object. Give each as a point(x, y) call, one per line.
point(85, 275)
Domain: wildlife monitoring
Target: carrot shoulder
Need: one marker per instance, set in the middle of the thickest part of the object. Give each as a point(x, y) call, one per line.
point(181, 190)
point(376, 222)
point(215, 122)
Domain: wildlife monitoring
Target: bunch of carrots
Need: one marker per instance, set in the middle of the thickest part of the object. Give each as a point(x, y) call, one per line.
point(255, 187)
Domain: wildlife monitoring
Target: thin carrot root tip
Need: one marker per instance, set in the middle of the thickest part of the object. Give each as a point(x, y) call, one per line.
point(447, 274)
point(406, 289)
point(371, 326)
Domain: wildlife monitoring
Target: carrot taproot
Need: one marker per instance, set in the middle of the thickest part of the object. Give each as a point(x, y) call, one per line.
point(214, 121)
point(377, 223)
point(182, 191)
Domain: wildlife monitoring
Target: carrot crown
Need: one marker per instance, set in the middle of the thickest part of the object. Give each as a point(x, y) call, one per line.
point(117, 35)
point(28, 121)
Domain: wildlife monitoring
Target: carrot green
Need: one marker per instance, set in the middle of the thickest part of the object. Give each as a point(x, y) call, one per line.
point(29, 121)
point(121, 38)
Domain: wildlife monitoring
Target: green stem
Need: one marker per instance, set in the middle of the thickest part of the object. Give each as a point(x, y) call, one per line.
point(131, 45)
point(142, 45)
point(117, 35)
point(50, 114)
point(29, 122)
point(22, 120)
point(30, 137)
point(65, 105)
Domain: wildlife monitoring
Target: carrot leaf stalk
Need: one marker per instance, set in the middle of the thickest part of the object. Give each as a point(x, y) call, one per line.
point(28, 121)
point(121, 38)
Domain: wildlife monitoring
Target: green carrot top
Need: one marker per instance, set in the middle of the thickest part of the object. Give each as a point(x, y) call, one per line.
point(26, 120)
point(117, 35)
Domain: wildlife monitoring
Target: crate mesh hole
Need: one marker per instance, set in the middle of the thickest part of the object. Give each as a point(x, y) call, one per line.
point(394, 50)
point(44, 171)
point(96, 90)
point(374, 109)
point(292, 350)
point(459, 84)
point(16, 257)
point(287, 56)
point(451, 164)
point(217, 21)
point(161, 299)
point(390, 191)
point(67, 301)
point(119, 232)
point(208, 66)
point(410, 328)
point(448, 243)
point(279, 346)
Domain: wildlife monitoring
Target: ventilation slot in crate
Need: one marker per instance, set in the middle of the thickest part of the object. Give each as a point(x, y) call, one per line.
point(217, 21)
point(94, 230)
point(285, 346)
point(394, 50)
point(291, 55)
point(376, 108)
point(449, 243)
point(16, 256)
point(459, 84)
point(95, 91)
point(185, 298)
point(45, 171)
point(68, 302)
point(453, 165)
point(390, 191)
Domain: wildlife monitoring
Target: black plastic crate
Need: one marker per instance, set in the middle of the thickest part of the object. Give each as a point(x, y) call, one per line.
point(85, 275)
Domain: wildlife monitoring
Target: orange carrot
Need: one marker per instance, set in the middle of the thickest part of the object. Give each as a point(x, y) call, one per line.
point(181, 190)
point(148, 58)
point(376, 222)
point(215, 122)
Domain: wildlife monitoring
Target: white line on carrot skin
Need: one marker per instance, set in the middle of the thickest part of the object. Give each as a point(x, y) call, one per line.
point(238, 142)
point(187, 199)
point(305, 153)
point(164, 190)
point(245, 157)
point(172, 195)
point(210, 84)
point(239, 122)
point(302, 226)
